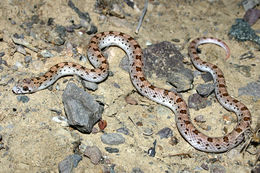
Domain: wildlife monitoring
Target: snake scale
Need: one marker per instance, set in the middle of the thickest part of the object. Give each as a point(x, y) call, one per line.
point(170, 99)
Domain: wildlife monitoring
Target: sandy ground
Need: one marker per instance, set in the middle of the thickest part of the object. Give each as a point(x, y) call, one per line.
point(33, 142)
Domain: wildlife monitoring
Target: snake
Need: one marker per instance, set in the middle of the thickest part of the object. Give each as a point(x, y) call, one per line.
point(170, 99)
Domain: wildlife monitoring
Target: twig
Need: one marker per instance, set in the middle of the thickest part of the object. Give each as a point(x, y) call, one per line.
point(185, 155)
point(142, 17)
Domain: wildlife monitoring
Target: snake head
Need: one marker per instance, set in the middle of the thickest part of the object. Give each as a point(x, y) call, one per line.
point(24, 86)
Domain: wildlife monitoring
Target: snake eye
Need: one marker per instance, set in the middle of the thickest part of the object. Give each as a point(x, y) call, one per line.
point(25, 88)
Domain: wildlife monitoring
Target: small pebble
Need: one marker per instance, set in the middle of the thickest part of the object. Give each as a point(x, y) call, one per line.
point(61, 120)
point(3, 62)
point(228, 119)
point(204, 166)
point(136, 170)
point(46, 54)
point(252, 15)
point(112, 138)
point(23, 99)
point(217, 169)
point(249, 4)
point(130, 100)
point(256, 169)
point(92, 30)
point(206, 77)
point(205, 89)
point(173, 141)
point(89, 85)
point(69, 163)
point(116, 85)
point(85, 24)
point(197, 102)
point(1, 68)
point(1, 137)
point(2, 54)
point(148, 43)
point(123, 130)
point(148, 131)
point(139, 123)
point(165, 133)
point(95, 130)
point(200, 119)
point(21, 50)
point(176, 40)
point(2, 146)
point(112, 150)
point(93, 153)
point(28, 59)
point(18, 64)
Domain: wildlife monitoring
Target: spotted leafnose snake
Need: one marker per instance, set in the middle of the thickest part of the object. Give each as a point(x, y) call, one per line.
point(170, 99)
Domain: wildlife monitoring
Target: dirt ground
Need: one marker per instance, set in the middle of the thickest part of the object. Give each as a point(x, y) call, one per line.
point(33, 142)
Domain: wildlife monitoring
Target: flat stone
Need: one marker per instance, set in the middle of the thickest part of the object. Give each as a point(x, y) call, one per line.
point(165, 133)
point(93, 153)
point(205, 90)
point(112, 138)
point(70, 162)
point(252, 89)
point(197, 102)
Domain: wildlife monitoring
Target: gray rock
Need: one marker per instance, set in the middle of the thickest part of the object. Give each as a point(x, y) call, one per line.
point(56, 35)
point(137, 170)
point(200, 119)
point(112, 150)
point(2, 146)
point(112, 138)
point(181, 79)
point(21, 50)
point(147, 131)
point(116, 85)
point(204, 166)
point(242, 31)
point(81, 109)
point(70, 162)
point(123, 130)
point(206, 77)
point(205, 90)
point(252, 89)
point(159, 59)
point(89, 85)
point(2, 54)
point(46, 54)
point(93, 153)
point(256, 169)
point(216, 168)
point(23, 99)
point(82, 15)
point(197, 102)
point(165, 133)
point(245, 70)
point(28, 59)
